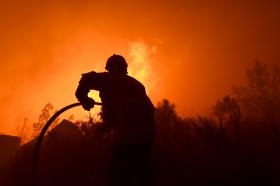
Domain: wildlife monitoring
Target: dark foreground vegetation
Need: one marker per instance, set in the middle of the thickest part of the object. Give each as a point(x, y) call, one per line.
point(238, 144)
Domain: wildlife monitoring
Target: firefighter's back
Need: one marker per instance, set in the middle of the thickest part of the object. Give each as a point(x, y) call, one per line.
point(128, 109)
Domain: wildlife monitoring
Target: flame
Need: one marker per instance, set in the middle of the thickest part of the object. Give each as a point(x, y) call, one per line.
point(140, 64)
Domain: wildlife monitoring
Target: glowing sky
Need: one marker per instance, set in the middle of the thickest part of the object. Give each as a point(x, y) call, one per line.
point(194, 51)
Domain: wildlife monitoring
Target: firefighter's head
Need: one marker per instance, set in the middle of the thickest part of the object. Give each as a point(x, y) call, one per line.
point(116, 64)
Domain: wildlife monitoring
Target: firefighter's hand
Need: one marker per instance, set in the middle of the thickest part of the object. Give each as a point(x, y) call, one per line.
point(88, 104)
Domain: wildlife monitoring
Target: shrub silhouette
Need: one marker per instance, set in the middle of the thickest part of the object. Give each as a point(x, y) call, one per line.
point(187, 151)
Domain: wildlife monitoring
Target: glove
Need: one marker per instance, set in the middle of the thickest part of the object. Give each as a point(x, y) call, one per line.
point(88, 104)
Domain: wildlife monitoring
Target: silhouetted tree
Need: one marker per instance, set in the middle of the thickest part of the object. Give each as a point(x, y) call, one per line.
point(166, 113)
point(260, 97)
point(227, 110)
point(23, 132)
point(46, 113)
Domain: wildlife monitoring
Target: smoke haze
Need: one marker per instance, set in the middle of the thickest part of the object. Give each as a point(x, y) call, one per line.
point(196, 50)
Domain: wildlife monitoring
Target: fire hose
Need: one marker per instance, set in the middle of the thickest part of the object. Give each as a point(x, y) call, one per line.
point(41, 136)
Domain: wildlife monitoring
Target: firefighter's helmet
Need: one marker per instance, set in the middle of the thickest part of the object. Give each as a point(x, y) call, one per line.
point(116, 63)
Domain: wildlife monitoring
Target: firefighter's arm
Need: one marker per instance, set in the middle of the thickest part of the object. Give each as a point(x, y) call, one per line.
point(85, 85)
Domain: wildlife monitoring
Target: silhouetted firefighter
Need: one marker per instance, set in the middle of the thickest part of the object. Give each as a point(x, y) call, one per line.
point(128, 111)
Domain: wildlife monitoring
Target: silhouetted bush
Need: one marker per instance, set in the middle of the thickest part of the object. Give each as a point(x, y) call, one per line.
point(187, 151)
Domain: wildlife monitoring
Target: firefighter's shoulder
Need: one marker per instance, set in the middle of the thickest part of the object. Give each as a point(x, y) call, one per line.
point(135, 83)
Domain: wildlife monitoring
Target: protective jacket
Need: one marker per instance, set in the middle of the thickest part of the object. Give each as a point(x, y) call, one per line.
point(126, 107)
